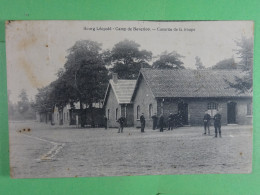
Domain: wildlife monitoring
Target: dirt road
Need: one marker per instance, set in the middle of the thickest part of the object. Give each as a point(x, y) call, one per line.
point(48, 151)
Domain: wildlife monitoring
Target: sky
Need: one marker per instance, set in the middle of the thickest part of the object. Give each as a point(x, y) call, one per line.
point(36, 50)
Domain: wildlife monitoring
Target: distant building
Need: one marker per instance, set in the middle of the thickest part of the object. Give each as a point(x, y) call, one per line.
point(117, 101)
point(191, 93)
point(69, 115)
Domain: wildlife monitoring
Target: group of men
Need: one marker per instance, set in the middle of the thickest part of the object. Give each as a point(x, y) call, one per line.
point(155, 118)
point(217, 123)
point(174, 120)
point(156, 123)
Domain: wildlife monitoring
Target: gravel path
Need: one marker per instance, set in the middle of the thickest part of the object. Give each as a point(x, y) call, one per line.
point(48, 151)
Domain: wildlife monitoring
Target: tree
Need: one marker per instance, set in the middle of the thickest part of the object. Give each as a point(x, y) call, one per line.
point(23, 104)
point(198, 63)
point(226, 64)
point(83, 79)
point(127, 59)
point(244, 83)
point(170, 60)
point(43, 102)
point(85, 76)
point(245, 53)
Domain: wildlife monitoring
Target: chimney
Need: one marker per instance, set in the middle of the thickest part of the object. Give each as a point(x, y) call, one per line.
point(115, 77)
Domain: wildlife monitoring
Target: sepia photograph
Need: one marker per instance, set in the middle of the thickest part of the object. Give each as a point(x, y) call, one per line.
point(123, 98)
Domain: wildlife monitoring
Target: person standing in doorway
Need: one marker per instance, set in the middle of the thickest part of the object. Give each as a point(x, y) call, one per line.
point(179, 119)
point(161, 123)
point(121, 122)
point(206, 121)
point(170, 122)
point(105, 122)
point(155, 118)
point(217, 124)
point(142, 120)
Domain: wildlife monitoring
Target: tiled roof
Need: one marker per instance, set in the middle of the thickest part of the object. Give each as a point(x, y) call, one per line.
point(123, 90)
point(191, 83)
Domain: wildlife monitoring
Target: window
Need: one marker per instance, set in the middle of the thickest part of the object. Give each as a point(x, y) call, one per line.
point(108, 114)
point(212, 108)
point(64, 116)
point(116, 113)
point(67, 115)
point(150, 110)
point(249, 109)
point(138, 112)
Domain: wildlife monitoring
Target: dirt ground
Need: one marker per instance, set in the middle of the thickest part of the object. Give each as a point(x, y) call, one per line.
point(56, 151)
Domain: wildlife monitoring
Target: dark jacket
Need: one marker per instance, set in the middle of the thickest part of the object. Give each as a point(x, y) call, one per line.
point(171, 118)
point(206, 118)
point(217, 118)
point(161, 121)
point(142, 119)
point(121, 121)
point(154, 117)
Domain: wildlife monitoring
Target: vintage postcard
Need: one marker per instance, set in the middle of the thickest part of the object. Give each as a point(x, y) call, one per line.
point(121, 98)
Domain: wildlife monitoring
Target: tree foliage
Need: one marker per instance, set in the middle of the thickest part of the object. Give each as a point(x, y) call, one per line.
point(198, 63)
point(83, 79)
point(244, 83)
point(127, 59)
point(85, 72)
point(43, 102)
point(245, 53)
point(226, 64)
point(170, 60)
point(21, 110)
point(23, 103)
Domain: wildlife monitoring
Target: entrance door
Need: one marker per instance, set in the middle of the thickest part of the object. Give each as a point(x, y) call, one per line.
point(61, 118)
point(231, 112)
point(183, 112)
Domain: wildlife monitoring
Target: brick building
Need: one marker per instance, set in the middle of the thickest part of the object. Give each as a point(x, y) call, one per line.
point(117, 101)
point(191, 93)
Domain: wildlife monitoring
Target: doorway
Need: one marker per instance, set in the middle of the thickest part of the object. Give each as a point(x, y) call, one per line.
point(183, 112)
point(231, 112)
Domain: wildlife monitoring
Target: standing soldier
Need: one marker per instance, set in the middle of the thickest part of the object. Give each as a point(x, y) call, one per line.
point(121, 122)
point(161, 123)
point(179, 119)
point(142, 120)
point(105, 122)
point(155, 118)
point(170, 121)
point(206, 121)
point(217, 124)
point(175, 120)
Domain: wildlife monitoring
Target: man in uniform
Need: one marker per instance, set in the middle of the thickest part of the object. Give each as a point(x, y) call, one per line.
point(161, 123)
point(121, 122)
point(155, 118)
point(206, 121)
point(170, 121)
point(179, 119)
point(142, 120)
point(105, 122)
point(217, 124)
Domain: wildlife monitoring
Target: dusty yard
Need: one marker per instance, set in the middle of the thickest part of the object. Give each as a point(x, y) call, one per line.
point(48, 151)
